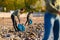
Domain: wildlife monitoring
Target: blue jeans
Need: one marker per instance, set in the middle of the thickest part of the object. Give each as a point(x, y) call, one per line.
point(48, 25)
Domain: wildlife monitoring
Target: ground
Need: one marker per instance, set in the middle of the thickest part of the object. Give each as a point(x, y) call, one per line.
point(7, 31)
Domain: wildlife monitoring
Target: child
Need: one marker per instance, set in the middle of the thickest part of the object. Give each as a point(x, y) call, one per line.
point(51, 12)
point(16, 13)
point(28, 15)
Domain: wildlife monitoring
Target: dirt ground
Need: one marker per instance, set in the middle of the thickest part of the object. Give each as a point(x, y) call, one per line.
point(7, 31)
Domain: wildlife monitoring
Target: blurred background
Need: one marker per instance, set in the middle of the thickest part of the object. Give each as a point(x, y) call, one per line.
point(36, 5)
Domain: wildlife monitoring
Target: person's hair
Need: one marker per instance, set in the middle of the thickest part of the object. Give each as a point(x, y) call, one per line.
point(21, 9)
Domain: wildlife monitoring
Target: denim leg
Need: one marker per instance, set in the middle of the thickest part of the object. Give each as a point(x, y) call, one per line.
point(56, 29)
point(47, 25)
point(59, 27)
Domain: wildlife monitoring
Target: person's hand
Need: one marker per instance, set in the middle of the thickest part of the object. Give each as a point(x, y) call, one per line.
point(19, 22)
point(59, 12)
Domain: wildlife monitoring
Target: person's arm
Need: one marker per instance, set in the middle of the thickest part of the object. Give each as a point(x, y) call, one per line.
point(53, 6)
point(48, 2)
point(18, 16)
